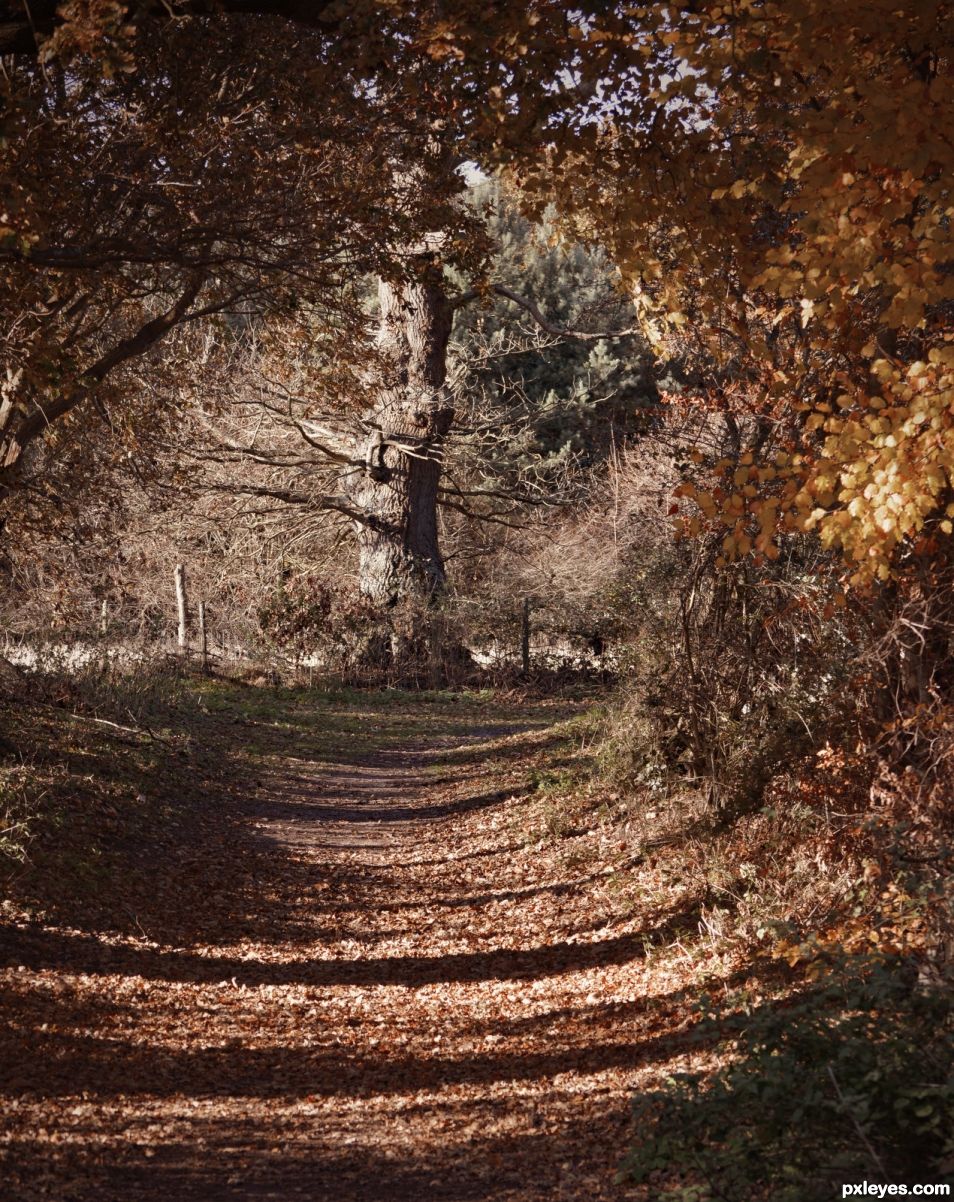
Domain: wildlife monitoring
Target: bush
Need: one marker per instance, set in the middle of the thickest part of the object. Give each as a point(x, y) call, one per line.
point(142, 684)
point(308, 619)
point(854, 1081)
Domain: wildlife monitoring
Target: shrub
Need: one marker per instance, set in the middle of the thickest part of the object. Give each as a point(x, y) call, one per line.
point(853, 1081)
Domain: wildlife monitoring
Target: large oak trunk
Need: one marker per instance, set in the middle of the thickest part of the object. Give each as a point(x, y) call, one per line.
point(401, 568)
point(409, 418)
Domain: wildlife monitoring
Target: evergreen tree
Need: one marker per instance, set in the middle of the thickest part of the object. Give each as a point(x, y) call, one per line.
point(560, 402)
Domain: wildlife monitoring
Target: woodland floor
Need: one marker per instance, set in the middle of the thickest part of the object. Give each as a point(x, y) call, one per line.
point(369, 957)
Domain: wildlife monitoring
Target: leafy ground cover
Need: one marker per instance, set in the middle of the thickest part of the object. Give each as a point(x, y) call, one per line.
point(401, 946)
point(347, 952)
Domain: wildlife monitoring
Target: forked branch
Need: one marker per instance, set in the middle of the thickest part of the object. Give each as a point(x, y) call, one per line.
point(540, 318)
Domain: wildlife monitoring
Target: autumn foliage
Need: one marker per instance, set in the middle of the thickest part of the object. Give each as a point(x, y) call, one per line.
point(652, 304)
point(795, 205)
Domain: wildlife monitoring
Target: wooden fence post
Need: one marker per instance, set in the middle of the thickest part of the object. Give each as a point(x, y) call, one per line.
point(525, 637)
point(203, 639)
point(183, 608)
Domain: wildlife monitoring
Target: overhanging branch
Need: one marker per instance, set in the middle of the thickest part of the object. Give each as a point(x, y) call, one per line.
point(35, 423)
point(542, 321)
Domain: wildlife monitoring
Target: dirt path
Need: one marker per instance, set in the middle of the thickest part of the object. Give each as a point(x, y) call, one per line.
point(379, 984)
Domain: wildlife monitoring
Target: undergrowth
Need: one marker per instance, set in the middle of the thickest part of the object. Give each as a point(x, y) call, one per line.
point(848, 1073)
point(146, 687)
point(852, 1081)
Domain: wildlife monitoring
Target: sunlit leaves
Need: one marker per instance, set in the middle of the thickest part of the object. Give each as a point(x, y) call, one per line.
point(810, 195)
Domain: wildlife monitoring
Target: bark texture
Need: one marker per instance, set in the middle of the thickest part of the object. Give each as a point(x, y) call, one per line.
point(408, 420)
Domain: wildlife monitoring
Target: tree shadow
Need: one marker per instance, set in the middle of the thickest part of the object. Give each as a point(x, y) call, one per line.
point(231, 1160)
point(41, 949)
point(465, 754)
point(219, 1153)
point(471, 900)
point(225, 885)
point(112, 1067)
point(194, 875)
point(483, 854)
point(588, 1039)
point(333, 807)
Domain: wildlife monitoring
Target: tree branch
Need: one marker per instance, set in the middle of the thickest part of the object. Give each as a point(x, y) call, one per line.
point(552, 328)
point(542, 321)
point(42, 418)
point(493, 517)
point(327, 501)
point(515, 497)
point(308, 430)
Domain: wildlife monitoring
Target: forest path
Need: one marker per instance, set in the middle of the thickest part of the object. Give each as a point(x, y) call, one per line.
point(390, 975)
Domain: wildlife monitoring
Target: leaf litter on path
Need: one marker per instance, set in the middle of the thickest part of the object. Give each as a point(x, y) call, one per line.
point(370, 978)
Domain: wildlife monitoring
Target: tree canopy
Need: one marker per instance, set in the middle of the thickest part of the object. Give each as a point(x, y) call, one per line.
point(778, 175)
point(796, 204)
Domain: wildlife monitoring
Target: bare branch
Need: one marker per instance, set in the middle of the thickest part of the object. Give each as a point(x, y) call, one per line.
point(326, 501)
point(494, 516)
point(516, 497)
point(552, 328)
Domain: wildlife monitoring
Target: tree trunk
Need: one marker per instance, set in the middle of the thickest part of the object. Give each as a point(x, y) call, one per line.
point(409, 417)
